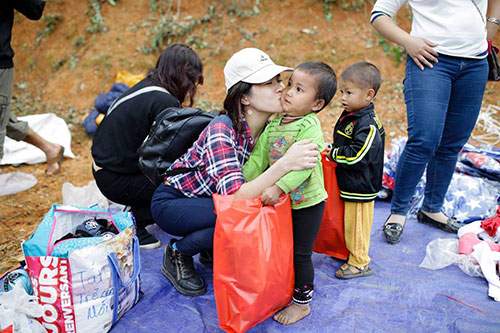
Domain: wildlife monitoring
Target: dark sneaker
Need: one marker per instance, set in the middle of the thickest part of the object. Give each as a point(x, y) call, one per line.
point(146, 240)
point(179, 270)
point(207, 258)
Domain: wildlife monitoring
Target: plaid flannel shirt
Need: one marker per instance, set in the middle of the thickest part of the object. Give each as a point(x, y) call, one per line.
point(219, 153)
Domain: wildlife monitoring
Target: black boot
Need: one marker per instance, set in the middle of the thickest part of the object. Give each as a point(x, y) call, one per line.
point(179, 270)
point(207, 258)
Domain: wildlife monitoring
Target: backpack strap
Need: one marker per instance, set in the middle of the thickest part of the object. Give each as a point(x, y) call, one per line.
point(132, 95)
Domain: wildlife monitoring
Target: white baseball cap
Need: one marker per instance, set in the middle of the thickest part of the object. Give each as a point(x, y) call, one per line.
point(250, 65)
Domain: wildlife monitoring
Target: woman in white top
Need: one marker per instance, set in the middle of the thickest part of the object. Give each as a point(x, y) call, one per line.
point(446, 73)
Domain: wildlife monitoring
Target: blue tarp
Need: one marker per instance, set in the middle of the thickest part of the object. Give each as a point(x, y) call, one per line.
point(399, 297)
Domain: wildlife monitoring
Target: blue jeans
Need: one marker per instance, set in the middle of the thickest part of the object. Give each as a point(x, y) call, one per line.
point(190, 218)
point(442, 105)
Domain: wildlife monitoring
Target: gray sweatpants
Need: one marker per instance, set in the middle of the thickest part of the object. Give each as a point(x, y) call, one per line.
point(9, 125)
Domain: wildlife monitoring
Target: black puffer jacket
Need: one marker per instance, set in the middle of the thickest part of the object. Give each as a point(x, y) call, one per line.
point(358, 149)
point(32, 9)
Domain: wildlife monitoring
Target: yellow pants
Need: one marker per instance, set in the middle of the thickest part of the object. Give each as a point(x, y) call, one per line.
point(358, 220)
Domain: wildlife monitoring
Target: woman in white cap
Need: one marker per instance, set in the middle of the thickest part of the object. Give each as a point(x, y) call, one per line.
point(183, 205)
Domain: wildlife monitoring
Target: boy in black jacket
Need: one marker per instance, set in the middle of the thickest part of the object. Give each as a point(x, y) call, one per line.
point(358, 149)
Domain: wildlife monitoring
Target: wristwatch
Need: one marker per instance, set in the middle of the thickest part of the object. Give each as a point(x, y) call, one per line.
point(494, 20)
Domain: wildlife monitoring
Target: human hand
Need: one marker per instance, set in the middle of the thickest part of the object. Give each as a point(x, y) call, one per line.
point(271, 195)
point(328, 149)
point(422, 52)
point(301, 155)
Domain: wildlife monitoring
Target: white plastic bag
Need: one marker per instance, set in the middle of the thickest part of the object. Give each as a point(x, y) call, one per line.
point(441, 253)
point(87, 196)
point(14, 182)
point(19, 309)
point(83, 196)
point(488, 261)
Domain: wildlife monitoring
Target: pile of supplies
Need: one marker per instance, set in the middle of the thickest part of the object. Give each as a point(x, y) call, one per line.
point(476, 252)
point(474, 188)
point(18, 307)
point(103, 101)
point(101, 105)
point(81, 274)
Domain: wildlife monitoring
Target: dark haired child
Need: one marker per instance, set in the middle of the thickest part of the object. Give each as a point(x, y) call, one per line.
point(358, 149)
point(310, 88)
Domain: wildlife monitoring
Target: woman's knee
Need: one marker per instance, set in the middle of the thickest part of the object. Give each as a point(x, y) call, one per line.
point(422, 147)
point(161, 211)
point(449, 151)
point(181, 216)
point(163, 206)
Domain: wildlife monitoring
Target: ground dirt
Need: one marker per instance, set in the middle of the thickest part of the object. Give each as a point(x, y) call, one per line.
point(65, 71)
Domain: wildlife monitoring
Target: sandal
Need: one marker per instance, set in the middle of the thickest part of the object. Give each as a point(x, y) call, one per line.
point(452, 225)
point(347, 271)
point(392, 231)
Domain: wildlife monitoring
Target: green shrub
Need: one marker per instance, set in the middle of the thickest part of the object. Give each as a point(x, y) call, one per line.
point(50, 23)
point(171, 28)
point(396, 52)
point(353, 5)
point(96, 19)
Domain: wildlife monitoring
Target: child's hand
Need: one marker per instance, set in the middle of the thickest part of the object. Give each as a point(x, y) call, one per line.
point(328, 149)
point(271, 195)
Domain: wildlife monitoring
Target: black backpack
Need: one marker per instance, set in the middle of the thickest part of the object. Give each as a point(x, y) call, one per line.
point(173, 132)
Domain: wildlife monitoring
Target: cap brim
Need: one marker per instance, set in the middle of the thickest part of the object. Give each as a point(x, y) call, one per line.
point(266, 73)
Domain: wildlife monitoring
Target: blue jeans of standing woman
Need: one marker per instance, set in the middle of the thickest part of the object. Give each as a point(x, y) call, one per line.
point(442, 105)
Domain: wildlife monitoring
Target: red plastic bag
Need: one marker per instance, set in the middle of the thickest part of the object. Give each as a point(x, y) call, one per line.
point(253, 261)
point(331, 239)
point(9, 329)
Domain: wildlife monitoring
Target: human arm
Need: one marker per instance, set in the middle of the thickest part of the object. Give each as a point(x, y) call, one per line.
point(271, 195)
point(493, 11)
point(32, 9)
point(223, 167)
point(301, 155)
point(354, 155)
point(419, 49)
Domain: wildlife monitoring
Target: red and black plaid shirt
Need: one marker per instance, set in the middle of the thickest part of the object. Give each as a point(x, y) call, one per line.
point(219, 154)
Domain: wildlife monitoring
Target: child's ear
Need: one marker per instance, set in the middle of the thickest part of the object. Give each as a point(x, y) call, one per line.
point(318, 105)
point(370, 94)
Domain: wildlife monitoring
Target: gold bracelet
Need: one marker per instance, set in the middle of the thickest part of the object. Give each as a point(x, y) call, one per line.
point(494, 20)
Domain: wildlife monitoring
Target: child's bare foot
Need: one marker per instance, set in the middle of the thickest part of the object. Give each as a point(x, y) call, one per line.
point(292, 313)
point(54, 159)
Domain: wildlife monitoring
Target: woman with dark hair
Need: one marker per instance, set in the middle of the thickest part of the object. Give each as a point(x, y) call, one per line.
point(446, 74)
point(171, 83)
point(183, 205)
